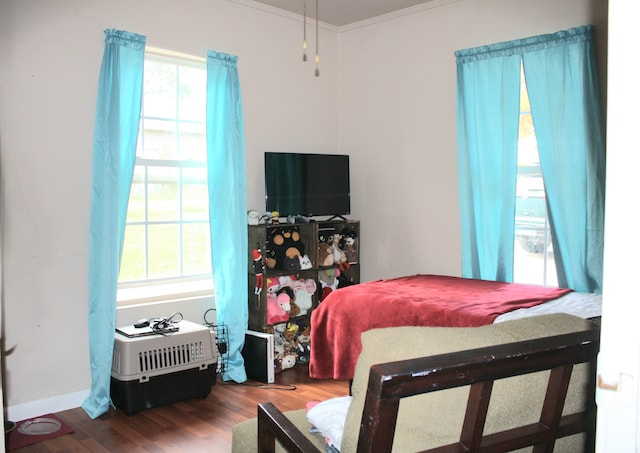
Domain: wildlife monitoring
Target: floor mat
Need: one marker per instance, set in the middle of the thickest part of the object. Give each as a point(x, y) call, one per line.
point(37, 429)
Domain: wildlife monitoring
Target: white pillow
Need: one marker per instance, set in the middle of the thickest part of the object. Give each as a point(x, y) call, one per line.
point(328, 417)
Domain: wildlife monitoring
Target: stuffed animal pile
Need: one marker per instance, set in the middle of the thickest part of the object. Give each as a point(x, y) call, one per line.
point(286, 250)
point(288, 297)
point(292, 344)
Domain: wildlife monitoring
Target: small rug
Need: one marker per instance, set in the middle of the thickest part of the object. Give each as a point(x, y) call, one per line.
point(17, 439)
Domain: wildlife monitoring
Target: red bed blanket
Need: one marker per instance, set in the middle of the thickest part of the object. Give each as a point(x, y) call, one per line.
point(420, 300)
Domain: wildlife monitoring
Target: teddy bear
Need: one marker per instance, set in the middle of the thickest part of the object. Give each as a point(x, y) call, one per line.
point(325, 255)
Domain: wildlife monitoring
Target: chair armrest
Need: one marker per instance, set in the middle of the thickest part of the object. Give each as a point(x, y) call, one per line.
point(272, 425)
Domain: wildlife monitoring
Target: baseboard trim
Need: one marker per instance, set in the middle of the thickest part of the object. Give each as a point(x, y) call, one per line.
point(60, 403)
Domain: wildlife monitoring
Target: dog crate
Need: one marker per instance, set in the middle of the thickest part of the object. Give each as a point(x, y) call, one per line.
point(154, 370)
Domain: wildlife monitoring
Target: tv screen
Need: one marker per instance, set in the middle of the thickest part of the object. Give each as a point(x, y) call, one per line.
point(307, 184)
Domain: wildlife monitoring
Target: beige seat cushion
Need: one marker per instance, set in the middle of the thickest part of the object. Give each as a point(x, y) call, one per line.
point(435, 419)
point(245, 434)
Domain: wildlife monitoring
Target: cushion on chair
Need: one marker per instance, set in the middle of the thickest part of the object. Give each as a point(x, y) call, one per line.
point(245, 434)
point(435, 419)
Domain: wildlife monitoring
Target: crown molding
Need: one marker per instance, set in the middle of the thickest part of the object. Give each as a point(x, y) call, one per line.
point(396, 14)
point(284, 13)
point(344, 28)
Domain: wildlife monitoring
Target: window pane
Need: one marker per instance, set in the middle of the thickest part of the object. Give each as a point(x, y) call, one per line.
point(193, 144)
point(135, 211)
point(132, 264)
point(164, 255)
point(159, 93)
point(159, 138)
point(192, 94)
point(533, 252)
point(196, 256)
point(163, 194)
point(167, 232)
point(195, 194)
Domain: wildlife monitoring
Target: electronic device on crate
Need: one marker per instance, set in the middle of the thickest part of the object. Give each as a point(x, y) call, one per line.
point(298, 184)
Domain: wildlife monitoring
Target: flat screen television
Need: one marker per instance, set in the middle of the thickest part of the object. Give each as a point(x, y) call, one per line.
point(298, 184)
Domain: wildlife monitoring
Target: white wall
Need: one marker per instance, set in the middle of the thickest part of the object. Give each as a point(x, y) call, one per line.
point(386, 96)
point(397, 120)
point(618, 397)
point(50, 55)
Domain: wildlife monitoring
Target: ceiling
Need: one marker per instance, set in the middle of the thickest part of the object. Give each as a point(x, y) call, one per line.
point(344, 12)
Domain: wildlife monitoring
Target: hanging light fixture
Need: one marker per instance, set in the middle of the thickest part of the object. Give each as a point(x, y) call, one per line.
point(304, 36)
point(304, 33)
point(317, 43)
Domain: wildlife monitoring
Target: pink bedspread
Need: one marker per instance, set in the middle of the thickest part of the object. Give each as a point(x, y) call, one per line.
point(420, 300)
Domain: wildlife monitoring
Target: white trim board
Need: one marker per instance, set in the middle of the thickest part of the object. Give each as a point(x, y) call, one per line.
point(19, 412)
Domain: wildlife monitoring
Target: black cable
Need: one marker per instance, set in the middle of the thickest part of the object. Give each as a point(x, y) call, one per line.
point(287, 387)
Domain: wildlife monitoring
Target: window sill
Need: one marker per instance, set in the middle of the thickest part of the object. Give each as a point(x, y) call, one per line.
point(164, 292)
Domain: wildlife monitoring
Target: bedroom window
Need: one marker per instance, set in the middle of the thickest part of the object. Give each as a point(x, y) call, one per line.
point(533, 252)
point(166, 253)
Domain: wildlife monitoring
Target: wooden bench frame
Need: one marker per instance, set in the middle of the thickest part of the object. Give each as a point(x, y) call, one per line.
point(478, 368)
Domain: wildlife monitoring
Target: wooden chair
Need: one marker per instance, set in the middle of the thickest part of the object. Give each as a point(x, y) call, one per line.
point(478, 368)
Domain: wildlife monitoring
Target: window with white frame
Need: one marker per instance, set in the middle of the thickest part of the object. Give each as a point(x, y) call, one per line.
point(533, 254)
point(167, 253)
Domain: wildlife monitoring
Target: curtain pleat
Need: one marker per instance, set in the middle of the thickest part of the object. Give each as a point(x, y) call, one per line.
point(114, 151)
point(564, 96)
point(487, 136)
point(227, 204)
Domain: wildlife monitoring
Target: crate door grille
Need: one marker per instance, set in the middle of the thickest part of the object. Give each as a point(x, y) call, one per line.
point(172, 356)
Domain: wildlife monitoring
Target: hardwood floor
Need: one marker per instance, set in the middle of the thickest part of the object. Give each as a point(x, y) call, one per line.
point(188, 426)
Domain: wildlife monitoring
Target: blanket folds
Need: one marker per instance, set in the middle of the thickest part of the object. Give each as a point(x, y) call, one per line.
point(419, 300)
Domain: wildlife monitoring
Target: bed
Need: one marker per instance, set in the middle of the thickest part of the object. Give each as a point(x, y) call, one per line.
point(426, 300)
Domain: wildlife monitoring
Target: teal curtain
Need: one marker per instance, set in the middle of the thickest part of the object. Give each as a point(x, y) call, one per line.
point(114, 153)
point(488, 106)
point(563, 90)
point(227, 203)
point(562, 82)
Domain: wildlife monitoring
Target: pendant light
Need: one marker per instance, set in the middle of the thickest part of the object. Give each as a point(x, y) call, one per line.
point(304, 33)
point(304, 37)
point(317, 43)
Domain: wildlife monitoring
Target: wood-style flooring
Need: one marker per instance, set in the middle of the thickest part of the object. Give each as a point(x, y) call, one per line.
point(190, 426)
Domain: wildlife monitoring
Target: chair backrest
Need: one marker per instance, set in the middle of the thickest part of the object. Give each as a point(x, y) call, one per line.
point(479, 368)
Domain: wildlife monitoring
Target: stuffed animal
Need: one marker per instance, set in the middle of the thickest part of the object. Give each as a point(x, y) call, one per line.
point(278, 307)
point(288, 360)
point(295, 310)
point(339, 257)
point(348, 244)
point(325, 255)
point(284, 247)
point(305, 262)
point(303, 344)
point(328, 281)
point(252, 217)
point(303, 291)
point(258, 269)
